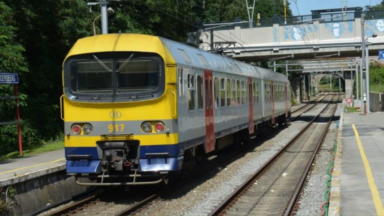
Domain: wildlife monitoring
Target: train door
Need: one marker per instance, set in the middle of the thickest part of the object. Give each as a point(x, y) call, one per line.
point(286, 100)
point(209, 117)
point(251, 126)
point(273, 102)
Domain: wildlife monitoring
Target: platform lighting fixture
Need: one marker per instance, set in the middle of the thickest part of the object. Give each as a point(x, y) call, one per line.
point(109, 11)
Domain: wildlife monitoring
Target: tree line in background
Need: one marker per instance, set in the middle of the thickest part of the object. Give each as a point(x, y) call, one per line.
point(36, 35)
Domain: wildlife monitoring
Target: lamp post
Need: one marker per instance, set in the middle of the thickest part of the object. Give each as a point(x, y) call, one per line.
point(94, 28)
point(365, 65)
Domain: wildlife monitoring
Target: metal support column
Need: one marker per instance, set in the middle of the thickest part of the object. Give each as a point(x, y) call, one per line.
point(361, 86)
point(286, 68)
point(104, 18)
point(363, 54)
point(367, 79)
point(274, 66)
point(211, 33)
point(357, 81)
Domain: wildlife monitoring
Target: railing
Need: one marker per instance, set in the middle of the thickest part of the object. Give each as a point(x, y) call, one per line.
point(295, 20)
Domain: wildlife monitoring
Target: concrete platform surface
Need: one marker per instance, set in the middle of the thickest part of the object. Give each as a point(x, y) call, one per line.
point(358, 178)
point(22, 169)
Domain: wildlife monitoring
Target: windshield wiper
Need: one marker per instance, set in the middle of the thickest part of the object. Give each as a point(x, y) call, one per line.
point(125, 62)
point(102, 64)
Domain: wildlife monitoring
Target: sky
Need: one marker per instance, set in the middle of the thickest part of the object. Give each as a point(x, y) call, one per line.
point(304, 7)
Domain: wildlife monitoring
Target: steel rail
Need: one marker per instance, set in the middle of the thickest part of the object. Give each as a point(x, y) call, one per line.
point(219, 210)
point(309, 106)
point(75, 205)
point(301, 183)
point(306, 105)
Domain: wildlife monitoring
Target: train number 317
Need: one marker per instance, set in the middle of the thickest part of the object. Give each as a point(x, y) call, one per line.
point(116, 128)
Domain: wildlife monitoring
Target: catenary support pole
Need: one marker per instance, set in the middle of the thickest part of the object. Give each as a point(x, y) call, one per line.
point(363, 52)
point(286, 68)
point(104, 18)
point(357, 81)
point(361, 87)
point(367, 79)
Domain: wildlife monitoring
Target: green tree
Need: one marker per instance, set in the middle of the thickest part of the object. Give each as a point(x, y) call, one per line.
point(11, 60)
point(379, 6)
point(226, 10)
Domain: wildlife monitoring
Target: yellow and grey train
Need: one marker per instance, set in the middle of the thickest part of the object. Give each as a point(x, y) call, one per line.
point(137, 108)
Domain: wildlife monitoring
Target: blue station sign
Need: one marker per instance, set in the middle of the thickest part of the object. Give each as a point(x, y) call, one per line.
point(9, 78)
point(381, 54)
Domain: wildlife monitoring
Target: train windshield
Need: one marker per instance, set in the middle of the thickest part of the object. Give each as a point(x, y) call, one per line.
point(119, 76)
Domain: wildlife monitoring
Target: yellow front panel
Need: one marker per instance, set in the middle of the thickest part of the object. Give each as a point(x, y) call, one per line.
point(146, 110)
point(122, 43)
point(162, 108)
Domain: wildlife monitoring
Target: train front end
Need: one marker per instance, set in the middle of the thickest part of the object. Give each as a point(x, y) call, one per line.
point(119, 111)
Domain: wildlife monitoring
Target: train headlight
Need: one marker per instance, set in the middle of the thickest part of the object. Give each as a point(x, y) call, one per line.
point(159, 127)
point(87, 129)
point(146, 127)
point(76, 129)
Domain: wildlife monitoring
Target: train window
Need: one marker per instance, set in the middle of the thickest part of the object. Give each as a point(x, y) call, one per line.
point(254, 91)
point(238, 92)
point(185, 56)
point(265, 92)
point(181, 87)
point(222, 92)
point(250, 93)
point(203, 60)
point(137, 74)
point(246, 92)
point(233, 89)
point(200, 101)
point(217, 92)
point(92, 76)
point(243, 92)
point(191, 92)
point(228, 88)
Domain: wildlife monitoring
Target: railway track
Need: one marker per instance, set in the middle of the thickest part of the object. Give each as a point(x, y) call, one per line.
point(108, 203)
point(131, 203)
point(306, 107)
point(275, 187)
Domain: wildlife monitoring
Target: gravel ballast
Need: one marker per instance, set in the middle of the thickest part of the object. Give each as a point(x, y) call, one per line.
point(202, 196)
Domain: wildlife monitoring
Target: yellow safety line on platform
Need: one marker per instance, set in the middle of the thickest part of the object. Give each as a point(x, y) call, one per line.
point(371, 180)
point(32, 166)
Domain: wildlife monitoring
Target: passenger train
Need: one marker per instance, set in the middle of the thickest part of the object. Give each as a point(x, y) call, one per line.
point(137, 108)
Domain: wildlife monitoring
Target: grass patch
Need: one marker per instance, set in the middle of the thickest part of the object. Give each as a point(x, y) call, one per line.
point(52, 146)
point(348, 109)
point(376, 88)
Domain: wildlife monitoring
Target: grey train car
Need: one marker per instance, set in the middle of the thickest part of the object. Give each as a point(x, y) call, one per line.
point(246, 98)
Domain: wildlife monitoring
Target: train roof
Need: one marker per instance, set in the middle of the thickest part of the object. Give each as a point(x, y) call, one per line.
point(191, 56)
point(175, 52)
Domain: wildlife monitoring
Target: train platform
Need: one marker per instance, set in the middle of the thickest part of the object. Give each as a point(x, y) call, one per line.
point(358, 174)
point(22, 169)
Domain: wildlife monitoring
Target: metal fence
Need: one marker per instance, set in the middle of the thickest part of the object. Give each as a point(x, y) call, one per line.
point(296, 20)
